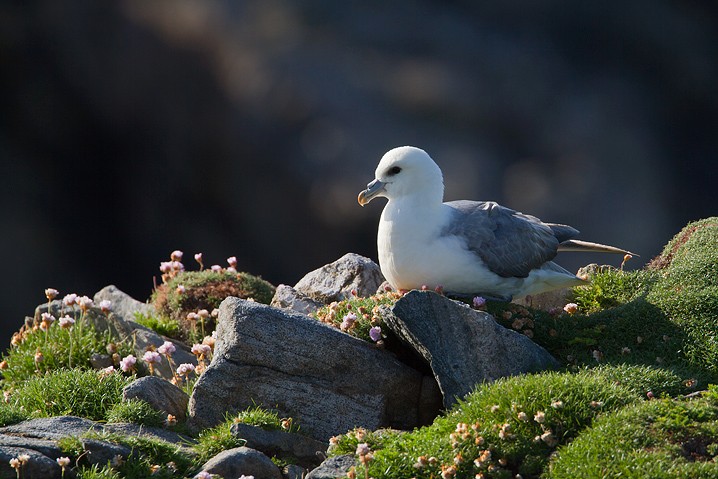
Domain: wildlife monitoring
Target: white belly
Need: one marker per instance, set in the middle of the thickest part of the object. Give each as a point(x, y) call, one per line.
point(410, 261)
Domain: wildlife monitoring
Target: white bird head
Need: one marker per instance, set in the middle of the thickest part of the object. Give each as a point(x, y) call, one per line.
point(403, 172)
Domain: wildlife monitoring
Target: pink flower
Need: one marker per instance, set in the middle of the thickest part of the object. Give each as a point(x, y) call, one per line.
point(232, 260)
point(203, 313)
point(571, 308)
point(185, 369)
point(69, 299)
point(127, 364)
point(180, 289)
point(152, 357)
point(479, 302)
point(66, 322)
point(198, 258)
point(165, 267)
point(201, 349)
point(215, 313)
point(84, 303)
point(375, 333)
point(167, 348)
point(192, 316)
point(348, 321)
point(176, 255)
point(105, 305)
point(51, 293)
point(363, 449)
point(216, 268)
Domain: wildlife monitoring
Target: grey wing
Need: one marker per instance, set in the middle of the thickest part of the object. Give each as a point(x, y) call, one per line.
point(510, 243)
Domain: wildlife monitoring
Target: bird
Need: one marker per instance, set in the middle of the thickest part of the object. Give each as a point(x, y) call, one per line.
point(467, 248)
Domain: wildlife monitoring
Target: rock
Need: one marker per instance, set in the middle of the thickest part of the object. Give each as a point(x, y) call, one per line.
point(102, 452)
point(38, 438)
point(326, 380)
point(548, 301)
point(100, 361)
point(305, 450)
point(131, 429)
point(292, 471)
point(286, 297)
point(464, 347)
point(160, 394)
point(242, 461)
point(51, 427)
point(123, 305)
point(337, 280)
point(38, 466)
point(334, 467)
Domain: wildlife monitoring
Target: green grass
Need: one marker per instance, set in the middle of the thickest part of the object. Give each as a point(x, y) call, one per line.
point(11, 414)
point(74, 392)
point(265, 419)
point(654, 439)
point(149, 458)
point(59, 348)
point(214, 440)
point(161, 325)
point(500, 418)
point(135, 411)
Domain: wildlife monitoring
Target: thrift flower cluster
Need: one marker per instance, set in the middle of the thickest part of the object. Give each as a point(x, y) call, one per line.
point(359, 317)
point(174, 266)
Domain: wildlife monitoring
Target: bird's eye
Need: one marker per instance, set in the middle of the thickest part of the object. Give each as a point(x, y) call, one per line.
point(394, 170)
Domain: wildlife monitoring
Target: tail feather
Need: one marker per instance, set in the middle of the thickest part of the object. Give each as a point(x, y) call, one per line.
point(587, 246)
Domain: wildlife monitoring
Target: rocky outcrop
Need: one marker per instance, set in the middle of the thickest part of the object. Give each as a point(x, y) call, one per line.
point(325, 379)
point(464, 347)
point(160, 394)
point(351, 274)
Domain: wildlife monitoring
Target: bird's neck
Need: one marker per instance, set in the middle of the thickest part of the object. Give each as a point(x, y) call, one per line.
point(419, 211)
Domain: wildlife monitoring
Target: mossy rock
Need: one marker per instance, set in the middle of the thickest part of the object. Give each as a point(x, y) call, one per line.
point(206, 290)
point(654, 439)
point(665, 315)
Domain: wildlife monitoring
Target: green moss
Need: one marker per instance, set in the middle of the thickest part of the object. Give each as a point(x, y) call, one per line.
point(205, 290)
point(135, 411)
point(519, 420)
point(656, 439)
point(74, 392)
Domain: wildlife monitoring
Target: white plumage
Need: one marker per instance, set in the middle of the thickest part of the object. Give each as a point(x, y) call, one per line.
point(467, 247)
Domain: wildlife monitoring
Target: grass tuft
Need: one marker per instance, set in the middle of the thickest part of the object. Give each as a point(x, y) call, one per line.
point(73, 392)
point(135, 411)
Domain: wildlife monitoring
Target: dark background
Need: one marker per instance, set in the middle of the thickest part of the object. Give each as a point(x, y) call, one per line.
point(132, 128)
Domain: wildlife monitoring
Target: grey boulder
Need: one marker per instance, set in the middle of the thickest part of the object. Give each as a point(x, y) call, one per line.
point(242, 461)
point(160, 394)
point(326, 380)
point(336, 281)
point(463, 347)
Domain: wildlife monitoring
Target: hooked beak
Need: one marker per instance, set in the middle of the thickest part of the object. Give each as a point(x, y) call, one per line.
point(373, 189)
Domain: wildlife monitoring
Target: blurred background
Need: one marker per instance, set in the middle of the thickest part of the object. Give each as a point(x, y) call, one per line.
point(131, 128)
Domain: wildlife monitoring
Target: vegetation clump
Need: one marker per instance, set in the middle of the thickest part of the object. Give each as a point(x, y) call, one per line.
point(357, 316)
point(73, 392)
point(508, 427)
point(657, 439)
point(187, 298)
